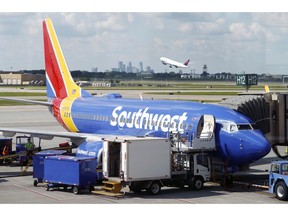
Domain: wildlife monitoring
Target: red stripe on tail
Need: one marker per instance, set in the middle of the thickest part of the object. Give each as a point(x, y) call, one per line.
point(51, 65)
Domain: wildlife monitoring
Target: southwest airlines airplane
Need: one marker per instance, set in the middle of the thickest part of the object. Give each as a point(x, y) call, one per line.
point(172, 63)
point(90, 118)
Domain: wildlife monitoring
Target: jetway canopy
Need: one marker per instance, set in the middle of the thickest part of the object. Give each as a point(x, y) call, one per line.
point(269, 111)
point(253, 106)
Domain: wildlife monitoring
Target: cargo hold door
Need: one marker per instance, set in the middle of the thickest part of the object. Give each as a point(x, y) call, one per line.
point(106, 159)
point(123, 161)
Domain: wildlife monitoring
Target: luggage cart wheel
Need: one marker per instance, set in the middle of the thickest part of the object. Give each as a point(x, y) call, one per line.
point(75, 190)
point(47, 187)
point(91, 188)
point(35, 183)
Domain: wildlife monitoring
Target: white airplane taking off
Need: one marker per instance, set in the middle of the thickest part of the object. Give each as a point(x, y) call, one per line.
point(171, 63)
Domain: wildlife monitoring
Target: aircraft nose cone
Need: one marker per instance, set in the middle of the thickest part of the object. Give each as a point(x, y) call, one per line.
point(257, 146)
point(248, 147)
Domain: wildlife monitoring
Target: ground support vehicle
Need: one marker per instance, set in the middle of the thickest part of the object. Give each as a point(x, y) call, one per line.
point(278, 179)
point(38, 164)
point(25, 148)
point(151, 163)
point(5, 150)
point(70, 171)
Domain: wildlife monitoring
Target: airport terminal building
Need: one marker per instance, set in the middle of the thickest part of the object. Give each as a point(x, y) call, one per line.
point(19, 78)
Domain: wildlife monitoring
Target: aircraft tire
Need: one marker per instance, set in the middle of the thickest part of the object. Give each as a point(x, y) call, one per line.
point(281, 191)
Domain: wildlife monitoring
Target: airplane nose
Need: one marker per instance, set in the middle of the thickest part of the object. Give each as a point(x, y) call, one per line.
point(251, 146)
point(260, 147)
point(255, 145)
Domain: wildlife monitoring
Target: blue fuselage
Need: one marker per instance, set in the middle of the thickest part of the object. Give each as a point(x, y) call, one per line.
point(236, 140)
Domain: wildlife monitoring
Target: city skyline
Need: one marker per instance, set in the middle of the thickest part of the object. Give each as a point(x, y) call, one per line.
point(226, 42)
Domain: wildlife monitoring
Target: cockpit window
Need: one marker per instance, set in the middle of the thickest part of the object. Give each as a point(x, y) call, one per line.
point(244, 127)
point(233, 127)
point(229, 126)
point(254, 126)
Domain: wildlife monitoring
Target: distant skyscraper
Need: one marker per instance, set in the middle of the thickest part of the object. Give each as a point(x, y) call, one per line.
point(148, 68)
point(95, 69)
point(129, 67)
point(141, 66)
point(120, 66)
point(123, 68)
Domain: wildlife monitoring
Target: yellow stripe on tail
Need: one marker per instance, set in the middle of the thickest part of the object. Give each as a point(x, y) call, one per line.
point(66, 105)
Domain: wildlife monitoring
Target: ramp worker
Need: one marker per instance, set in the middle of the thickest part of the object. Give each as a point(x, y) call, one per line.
point(5, 150)
point(29, 145)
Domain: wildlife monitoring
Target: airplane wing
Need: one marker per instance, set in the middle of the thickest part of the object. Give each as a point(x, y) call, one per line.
point(44, 103)
point(76, 138)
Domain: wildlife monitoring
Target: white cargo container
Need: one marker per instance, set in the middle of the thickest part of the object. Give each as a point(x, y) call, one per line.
point(137, 158)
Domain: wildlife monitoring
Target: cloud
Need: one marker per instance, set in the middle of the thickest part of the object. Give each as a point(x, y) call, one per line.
point(271, 19)
point(244, 32)
point(102, 39)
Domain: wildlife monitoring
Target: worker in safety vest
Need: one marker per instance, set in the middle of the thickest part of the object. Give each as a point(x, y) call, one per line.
point(29, 145)
point(5, 151)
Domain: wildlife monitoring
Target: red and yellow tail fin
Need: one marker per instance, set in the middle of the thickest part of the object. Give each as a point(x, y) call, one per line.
point(60, 83)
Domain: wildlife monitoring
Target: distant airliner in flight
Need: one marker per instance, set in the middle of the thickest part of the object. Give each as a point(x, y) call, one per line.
point(89, 119)
point(172, 63)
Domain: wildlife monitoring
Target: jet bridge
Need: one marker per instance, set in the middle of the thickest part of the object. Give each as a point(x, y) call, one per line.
point(270, 113)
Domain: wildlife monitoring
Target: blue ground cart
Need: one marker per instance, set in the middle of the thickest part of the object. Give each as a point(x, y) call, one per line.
point(70, 171)
point(38, 163)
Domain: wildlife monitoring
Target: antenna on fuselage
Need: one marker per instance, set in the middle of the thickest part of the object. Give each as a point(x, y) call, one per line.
point(141, 98)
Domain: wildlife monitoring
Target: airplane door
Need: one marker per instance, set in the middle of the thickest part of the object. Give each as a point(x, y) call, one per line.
point(206, 126)
point(205, 138)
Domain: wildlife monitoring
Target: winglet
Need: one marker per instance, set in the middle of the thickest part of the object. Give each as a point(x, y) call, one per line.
point(60, 83)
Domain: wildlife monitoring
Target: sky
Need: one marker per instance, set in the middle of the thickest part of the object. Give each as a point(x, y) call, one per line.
point(235, 42)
